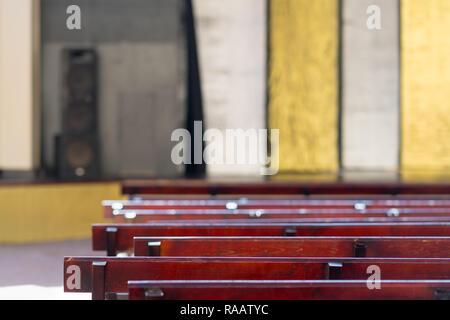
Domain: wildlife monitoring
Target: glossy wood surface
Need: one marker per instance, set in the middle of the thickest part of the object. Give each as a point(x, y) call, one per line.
point(147, 215)
point(287, 290)
point(279, 187)
point(119, 270)
point(121, 237)
point(233, 204)
point(269, 240)
point(400, 247)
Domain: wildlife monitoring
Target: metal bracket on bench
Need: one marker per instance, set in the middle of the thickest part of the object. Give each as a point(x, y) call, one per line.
point(442, 294)
point(360, 249)
point(116, 296)
point(154, 248)
point(231, 205)
point(111, 233)
point(255, 214)
point(393, 212)
point(154, 293)
point(290, 232)
point(98, 280)
point(334, 271)
point(360, 206)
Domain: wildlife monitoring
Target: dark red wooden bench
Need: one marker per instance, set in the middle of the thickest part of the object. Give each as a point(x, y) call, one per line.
point(119, 237)
point(270, 240)
point(146, 215)
point(400, 247)
point(101, 275)
point(286, 290)
point(209, 204)
point(268, 187)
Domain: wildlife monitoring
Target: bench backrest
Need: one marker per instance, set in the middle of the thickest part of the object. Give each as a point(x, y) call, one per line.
point(111, 205)
point(401, 247)
point(280, 188)
point(119, 237)
point(145, 215)
point(287, 290)
point(101, 274)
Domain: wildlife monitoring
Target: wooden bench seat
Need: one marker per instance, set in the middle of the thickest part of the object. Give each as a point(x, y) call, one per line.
point(302, 220)
point(119, 237)
point(400, 247)
point(145, 215)
point(176, 204)
point(101, 275)
point(287, 290)
point(271, 187)
point(201, 239)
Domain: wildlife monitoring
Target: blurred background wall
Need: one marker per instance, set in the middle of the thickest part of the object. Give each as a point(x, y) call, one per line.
point(141, 82)
point(348, 100)
point(233, 57)
point(425, 48)
point(370, 87)
point(19, 85)
point(304, 83)
point(345, 98)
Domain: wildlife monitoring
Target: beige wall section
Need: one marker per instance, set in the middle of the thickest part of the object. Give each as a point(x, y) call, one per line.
point(46, 212)
point(19, 91)
point(304, 83)
point(425, 85)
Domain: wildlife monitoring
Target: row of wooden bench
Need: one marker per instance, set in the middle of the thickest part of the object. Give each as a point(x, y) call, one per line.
point(297, 249)
point(106, 275)
point(271, 188)
point(114, 238)
point(286, 206)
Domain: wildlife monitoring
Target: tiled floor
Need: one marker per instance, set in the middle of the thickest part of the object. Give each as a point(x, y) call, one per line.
point(35, 271)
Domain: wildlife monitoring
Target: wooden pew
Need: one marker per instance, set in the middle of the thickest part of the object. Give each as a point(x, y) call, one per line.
point(208, 204)
point(331, 220)
point(101, 275)
point(287, 290)
point(393, 247)
point(146, 215)
point(119, 237)
point(270, 187)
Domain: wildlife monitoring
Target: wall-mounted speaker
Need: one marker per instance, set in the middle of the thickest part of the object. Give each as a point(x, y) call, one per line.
point(77, 155)
point(79, 98)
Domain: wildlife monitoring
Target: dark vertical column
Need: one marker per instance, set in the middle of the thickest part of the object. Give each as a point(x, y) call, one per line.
point(194, 96)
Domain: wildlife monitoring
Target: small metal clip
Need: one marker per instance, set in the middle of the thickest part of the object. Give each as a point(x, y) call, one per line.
point(231, 205)
point(255, 214)
point(154, 293)
point(393, 212)
point(290, 232)
point(121, 296)
point(130, 215)
point(116, 296)
point(360, 206)
point(117, 206)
